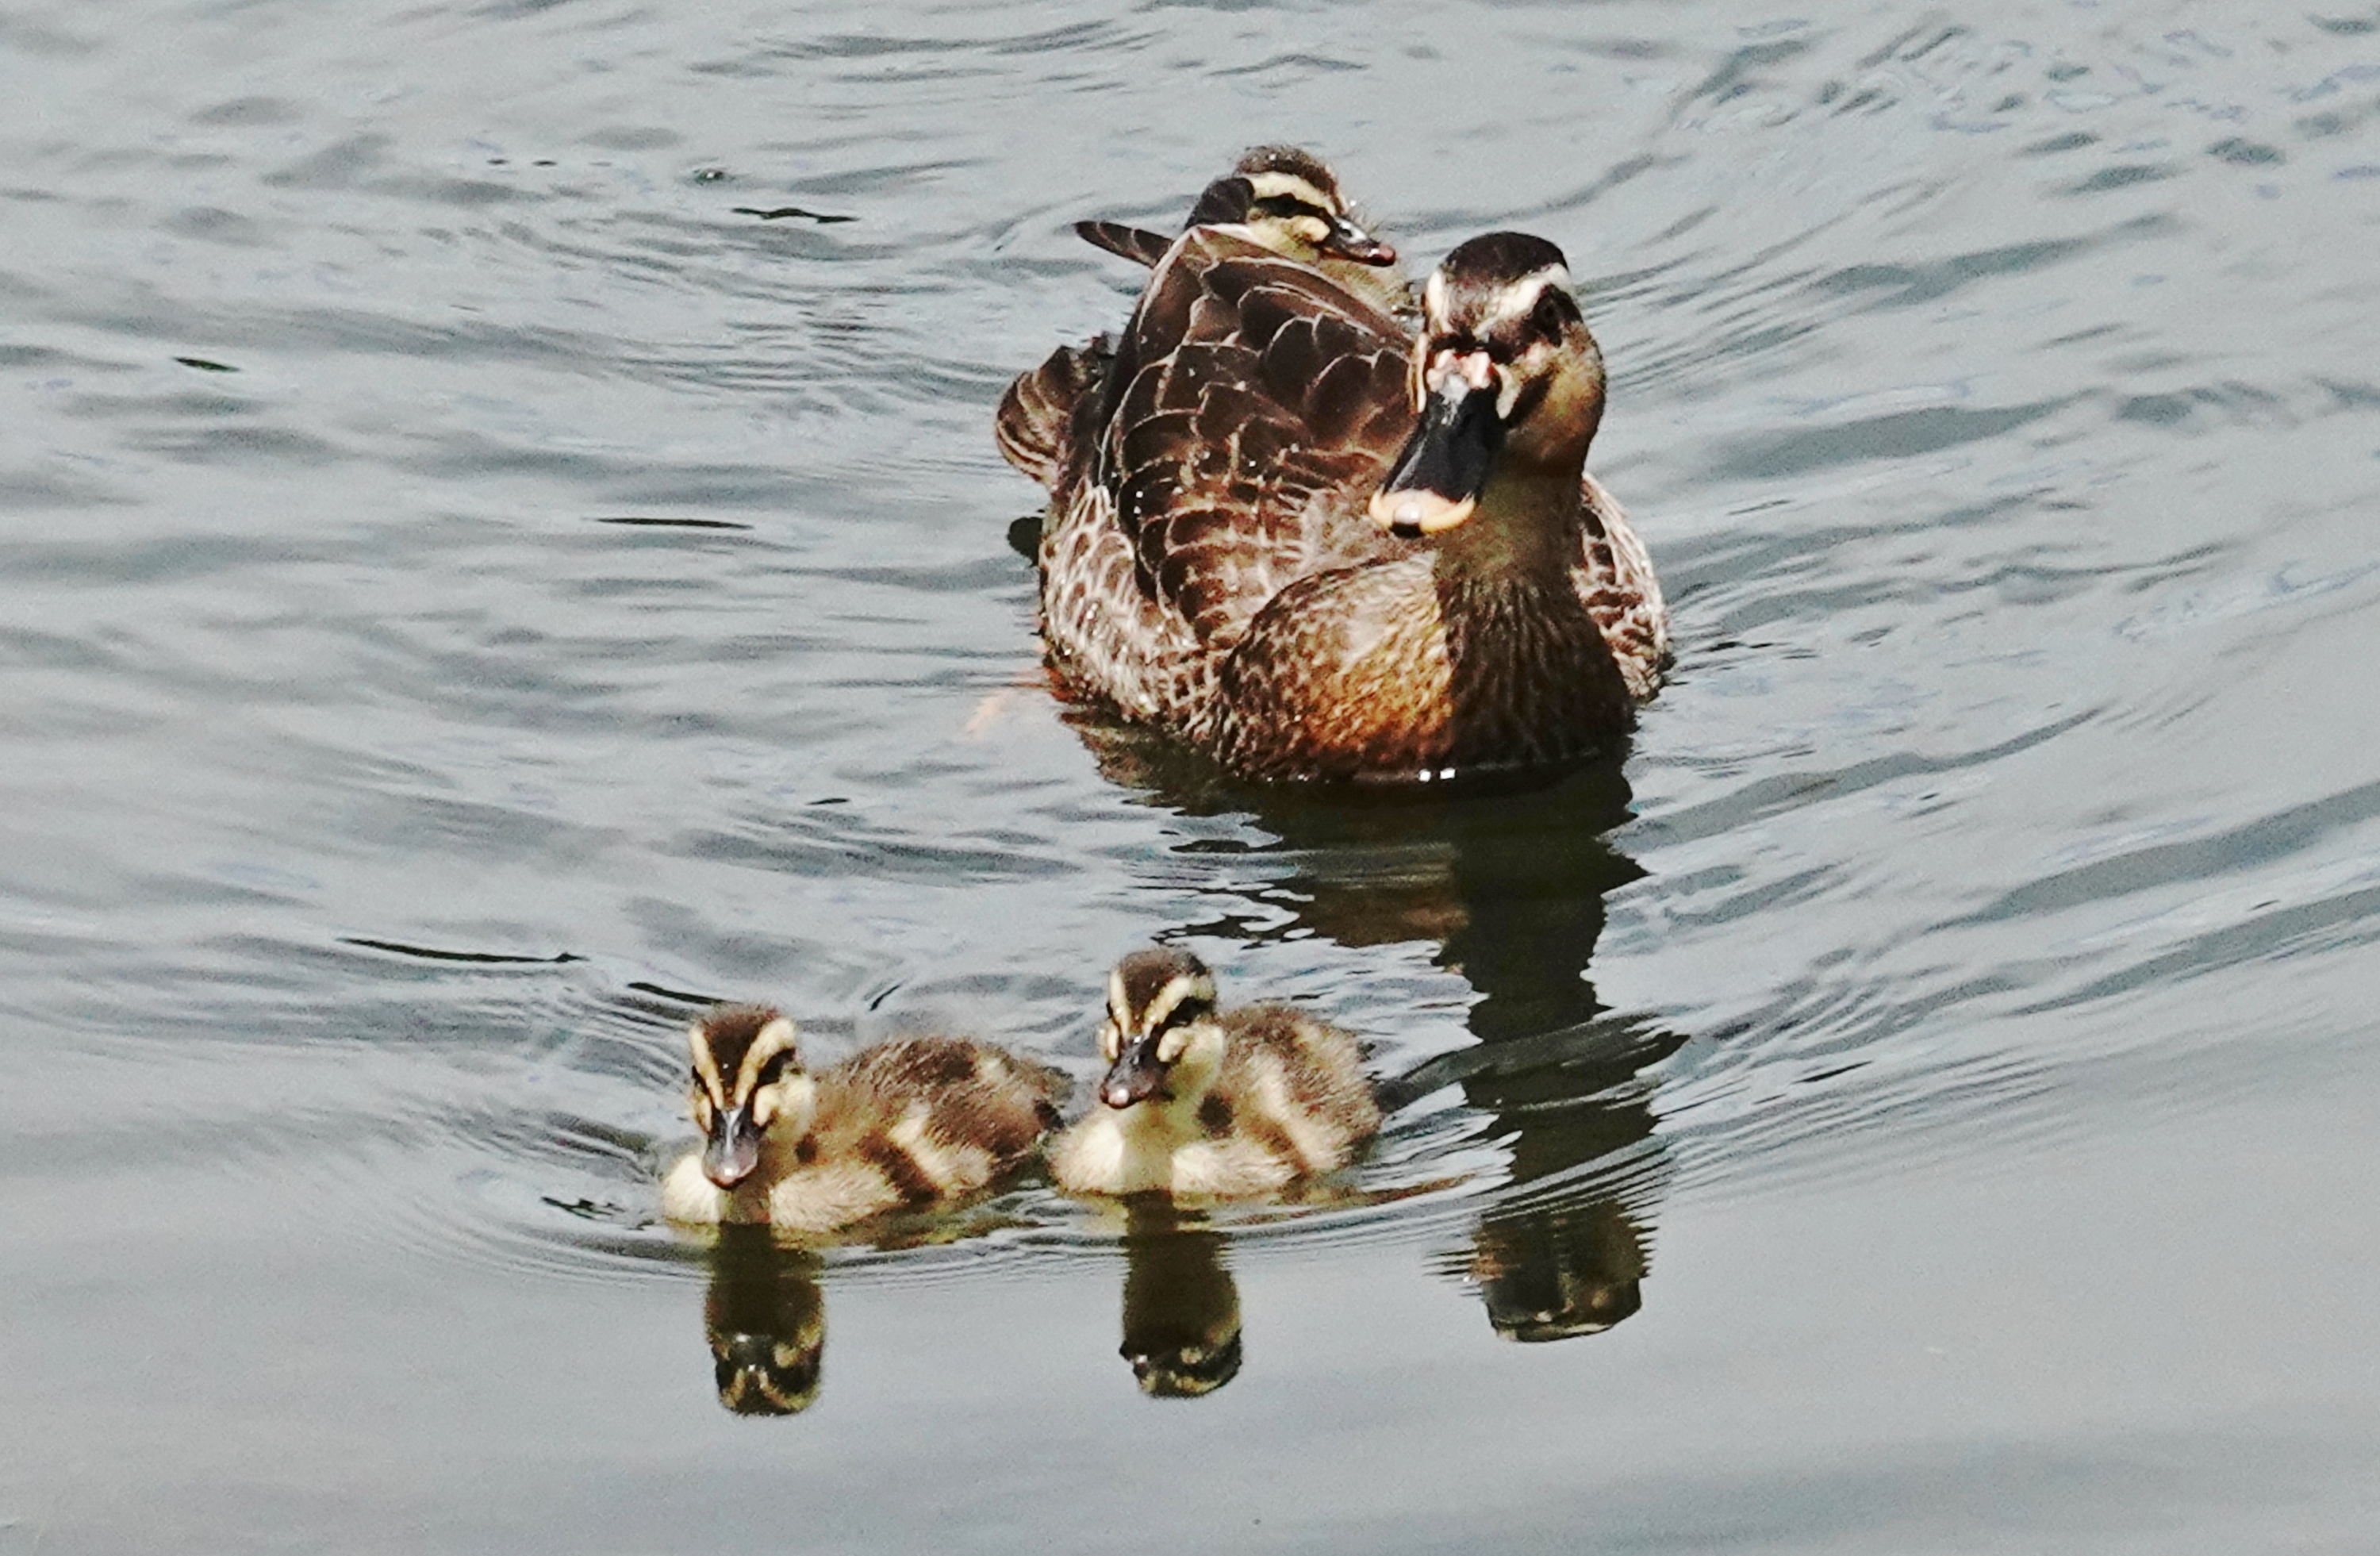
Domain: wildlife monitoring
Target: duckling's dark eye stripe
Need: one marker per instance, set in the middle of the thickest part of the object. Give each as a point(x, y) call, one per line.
point(1190, 1007)
point(1165, 1008)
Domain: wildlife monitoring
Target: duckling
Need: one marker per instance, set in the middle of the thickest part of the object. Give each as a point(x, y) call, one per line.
point(1208, 1105)
point(1287, 200)
point(906, 1123)
point(1280, 198)
point(1319, 551)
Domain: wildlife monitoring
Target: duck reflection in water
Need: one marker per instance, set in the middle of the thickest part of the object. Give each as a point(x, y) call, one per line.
point(1508, 885)
point(1562, 1251)
point(765, 1317)
point(1181, 1306)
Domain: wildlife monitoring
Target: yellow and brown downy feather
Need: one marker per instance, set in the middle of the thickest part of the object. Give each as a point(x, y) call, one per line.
point(1239, 552)
point(905, 1124)
point(1202, 1104)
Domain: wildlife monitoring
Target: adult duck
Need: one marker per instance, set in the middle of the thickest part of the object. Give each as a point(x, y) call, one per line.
point(1316, 549)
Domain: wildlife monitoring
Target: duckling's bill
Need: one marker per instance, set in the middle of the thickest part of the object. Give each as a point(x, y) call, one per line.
point(1351, 242)
point(730, 1147)
point(1137, 1073)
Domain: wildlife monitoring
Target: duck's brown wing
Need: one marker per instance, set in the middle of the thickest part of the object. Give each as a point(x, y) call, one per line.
point(1139, 244)
point(1254, 407)
point(1034, 423)
point(1037, 413)
point(1615, 581)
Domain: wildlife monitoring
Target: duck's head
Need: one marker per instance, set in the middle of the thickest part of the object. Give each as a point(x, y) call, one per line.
point(746, 1077)
point(1288, 202)
point(1160, 1017)
point(1506, 379)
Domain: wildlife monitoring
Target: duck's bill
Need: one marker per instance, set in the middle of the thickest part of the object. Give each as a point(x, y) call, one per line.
point(1351, 242)
point(1437, 480)
point(732, 1147)
point(1137, 1075)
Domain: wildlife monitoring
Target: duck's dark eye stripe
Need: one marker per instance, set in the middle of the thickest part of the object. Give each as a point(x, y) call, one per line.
point(772, 1068)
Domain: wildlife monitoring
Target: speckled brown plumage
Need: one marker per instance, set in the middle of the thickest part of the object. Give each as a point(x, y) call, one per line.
point(1034, 424)
point(1210, 566)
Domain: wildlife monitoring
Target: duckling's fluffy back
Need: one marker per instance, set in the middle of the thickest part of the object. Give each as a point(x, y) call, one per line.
point(959, 1112)
point(1297, 1078)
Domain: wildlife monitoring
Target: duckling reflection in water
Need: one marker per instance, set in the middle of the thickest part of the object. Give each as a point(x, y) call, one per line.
point(1181, 1306)
point(765, 1317)
point(1207, 1105)
point(905, 1124)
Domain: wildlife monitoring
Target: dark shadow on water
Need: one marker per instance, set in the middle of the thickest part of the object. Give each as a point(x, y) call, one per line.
point(1505, 879)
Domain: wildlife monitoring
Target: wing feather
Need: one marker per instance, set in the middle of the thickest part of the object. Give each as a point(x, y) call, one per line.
point(1257, 401)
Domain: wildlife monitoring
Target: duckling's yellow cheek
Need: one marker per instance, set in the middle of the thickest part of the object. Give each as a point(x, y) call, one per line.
point(765, 1103)
point(698, 1103)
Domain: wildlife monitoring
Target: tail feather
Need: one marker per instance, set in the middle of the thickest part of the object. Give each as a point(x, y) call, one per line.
point(1037, 410)
point(1136, 244)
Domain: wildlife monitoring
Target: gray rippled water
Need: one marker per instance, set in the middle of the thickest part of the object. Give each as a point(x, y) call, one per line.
point(502, 543)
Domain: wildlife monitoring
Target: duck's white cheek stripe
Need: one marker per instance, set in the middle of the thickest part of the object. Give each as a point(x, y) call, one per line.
point(1521, 296)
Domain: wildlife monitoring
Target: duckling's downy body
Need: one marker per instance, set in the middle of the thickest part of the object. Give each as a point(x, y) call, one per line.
point(1283, 530)
point(904, 1124)
point(1205, 1105)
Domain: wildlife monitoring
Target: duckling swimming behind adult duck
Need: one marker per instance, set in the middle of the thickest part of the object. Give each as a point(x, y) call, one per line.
point(904, 1124)
point(1313, 549)
point(1287, 200)
point(1204, 1104)
point(1280, 198)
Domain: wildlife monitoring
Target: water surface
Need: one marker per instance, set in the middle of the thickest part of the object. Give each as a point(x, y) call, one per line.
point(485, 571)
